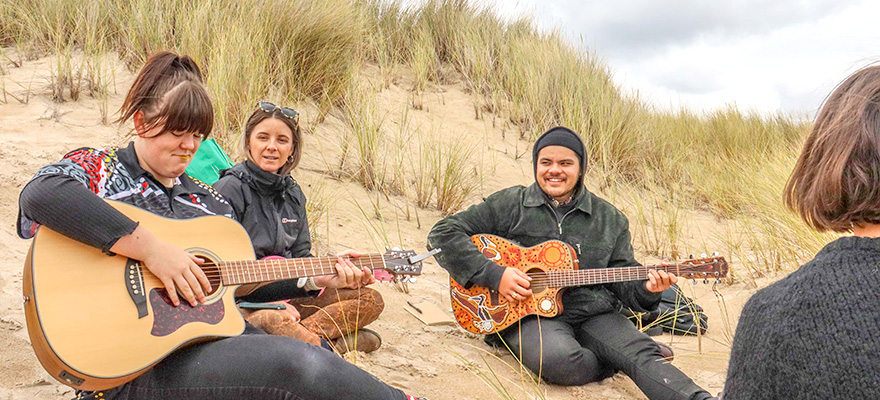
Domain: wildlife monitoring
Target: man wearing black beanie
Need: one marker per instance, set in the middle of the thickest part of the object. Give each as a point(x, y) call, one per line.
point(590, 340)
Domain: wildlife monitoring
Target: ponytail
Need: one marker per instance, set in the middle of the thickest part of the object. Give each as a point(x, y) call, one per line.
point(169, 92)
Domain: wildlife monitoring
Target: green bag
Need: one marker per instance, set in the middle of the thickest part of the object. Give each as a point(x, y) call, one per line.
point(208, 161)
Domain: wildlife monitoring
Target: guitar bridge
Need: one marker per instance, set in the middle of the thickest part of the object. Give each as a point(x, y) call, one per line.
point(134, 282)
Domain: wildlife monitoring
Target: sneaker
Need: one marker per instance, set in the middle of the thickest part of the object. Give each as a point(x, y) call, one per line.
point(363, 340)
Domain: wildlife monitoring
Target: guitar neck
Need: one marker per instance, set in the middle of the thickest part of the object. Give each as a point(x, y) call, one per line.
point(583, 277)
point(257, 271)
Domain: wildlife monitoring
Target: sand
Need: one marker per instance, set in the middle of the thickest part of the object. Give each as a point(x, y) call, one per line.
point(440, 362)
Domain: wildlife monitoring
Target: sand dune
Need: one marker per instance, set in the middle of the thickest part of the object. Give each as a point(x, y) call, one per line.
point(440, 362)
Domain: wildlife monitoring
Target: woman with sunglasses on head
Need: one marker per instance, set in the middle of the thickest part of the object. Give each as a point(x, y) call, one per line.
point(172, 113)
point(272, 208)
point(813, 334)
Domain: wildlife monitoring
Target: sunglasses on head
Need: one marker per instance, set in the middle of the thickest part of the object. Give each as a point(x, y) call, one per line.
point(286, 111)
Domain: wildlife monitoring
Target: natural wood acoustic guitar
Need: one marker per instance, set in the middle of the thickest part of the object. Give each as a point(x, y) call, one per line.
point(97, 321)
point(553, 266)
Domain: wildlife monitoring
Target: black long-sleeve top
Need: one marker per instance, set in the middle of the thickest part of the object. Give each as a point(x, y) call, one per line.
point(66, 196)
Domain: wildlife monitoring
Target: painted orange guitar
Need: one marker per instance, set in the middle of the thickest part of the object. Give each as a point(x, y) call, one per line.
point(97, 321)
point(553, 266)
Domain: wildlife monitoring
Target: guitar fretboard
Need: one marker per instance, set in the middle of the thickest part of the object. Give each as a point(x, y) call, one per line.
point(254, 271)
point(597, 276)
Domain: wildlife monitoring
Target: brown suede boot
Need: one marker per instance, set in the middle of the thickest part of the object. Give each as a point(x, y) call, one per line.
point(277, 322)
point(363, 340)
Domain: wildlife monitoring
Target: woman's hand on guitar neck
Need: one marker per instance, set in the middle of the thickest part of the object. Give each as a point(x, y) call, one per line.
point(178, 270)
point(514, 285)
point(347, 274)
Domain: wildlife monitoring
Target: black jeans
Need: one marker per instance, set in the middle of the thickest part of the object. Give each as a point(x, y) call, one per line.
point(254, 366)
point(592, 350)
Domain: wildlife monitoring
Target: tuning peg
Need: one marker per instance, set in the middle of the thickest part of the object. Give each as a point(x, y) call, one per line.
point(715, 254)
point(395, 248)
point(387, 248)
point(694, 282)
point(412, 279)
point(718, 280)
point(705, 281)
point(703, 255)
point(690, 256)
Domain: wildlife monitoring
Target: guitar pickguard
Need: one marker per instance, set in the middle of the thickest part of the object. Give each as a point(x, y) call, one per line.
point(167, 319)
point(484, 317)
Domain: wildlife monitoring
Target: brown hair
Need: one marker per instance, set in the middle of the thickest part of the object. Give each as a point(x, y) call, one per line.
point(293, 123)
point(835, 184)
point(169, 91)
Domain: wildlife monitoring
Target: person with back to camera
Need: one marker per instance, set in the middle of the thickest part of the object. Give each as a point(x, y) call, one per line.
point(172, 113)
point(272, 208)
point(813, 334)
point(590, 340)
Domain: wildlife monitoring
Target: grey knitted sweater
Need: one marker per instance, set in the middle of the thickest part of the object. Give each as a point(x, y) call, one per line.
point(814, 334)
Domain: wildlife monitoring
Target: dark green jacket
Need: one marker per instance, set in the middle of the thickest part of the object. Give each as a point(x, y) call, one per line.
point(598, 231)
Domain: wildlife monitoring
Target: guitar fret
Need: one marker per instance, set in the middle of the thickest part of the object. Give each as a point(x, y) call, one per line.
point(239, 278)
point(236, 277)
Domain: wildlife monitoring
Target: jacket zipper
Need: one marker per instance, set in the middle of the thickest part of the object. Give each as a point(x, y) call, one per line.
point(559, 225)
point(559, 220)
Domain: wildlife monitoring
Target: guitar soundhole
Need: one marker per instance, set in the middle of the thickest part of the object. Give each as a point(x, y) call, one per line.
point(539, 280)
point(212, 272)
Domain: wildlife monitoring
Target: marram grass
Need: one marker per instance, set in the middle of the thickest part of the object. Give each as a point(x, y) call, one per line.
point(729, 163)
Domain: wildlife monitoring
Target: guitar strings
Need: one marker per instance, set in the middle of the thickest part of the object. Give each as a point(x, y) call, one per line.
point(598, 275)
point(281, 266)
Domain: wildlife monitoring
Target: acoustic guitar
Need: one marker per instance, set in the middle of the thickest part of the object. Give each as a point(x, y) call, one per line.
point(553, 266)
point(97, 321)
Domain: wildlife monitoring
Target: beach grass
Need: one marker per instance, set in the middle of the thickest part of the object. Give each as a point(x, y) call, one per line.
point(729, 163)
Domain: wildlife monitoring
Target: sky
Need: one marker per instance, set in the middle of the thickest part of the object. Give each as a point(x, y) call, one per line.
point(768, 57)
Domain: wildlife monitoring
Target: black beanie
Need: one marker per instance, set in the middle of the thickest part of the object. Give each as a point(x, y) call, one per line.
point(560, 136)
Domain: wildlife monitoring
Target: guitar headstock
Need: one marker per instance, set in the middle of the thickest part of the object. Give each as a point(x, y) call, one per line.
point(714, 267)
point(398, 263)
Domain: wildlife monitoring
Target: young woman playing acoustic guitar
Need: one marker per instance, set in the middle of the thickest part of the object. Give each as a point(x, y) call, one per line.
point(272, 208)
point(813, 334)
point(172, 113)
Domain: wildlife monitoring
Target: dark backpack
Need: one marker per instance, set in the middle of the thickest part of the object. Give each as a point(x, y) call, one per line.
point(674, 314)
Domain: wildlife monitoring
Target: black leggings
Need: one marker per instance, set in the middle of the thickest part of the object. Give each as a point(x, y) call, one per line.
point(593, 350)
point(254, 366)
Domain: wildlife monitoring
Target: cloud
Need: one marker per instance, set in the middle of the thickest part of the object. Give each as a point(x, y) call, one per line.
point(759, 56)
point(643, 28)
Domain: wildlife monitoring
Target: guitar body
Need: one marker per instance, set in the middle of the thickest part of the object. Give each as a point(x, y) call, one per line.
point(98, 321)
point(480, 310)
